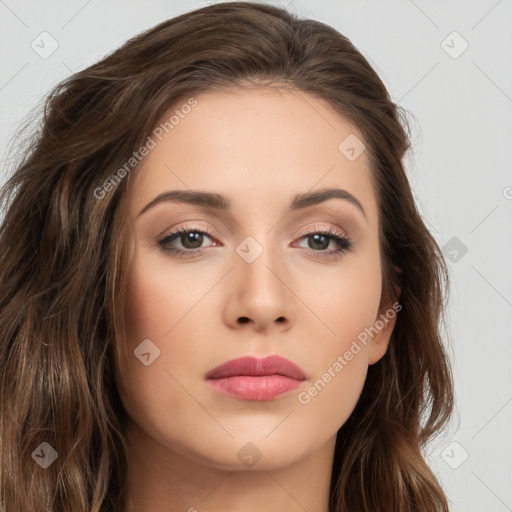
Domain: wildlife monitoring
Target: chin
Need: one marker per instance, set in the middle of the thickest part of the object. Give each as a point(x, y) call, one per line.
point(252, 452)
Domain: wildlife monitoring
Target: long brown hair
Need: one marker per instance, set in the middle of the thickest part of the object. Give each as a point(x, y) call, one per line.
point(63, 259)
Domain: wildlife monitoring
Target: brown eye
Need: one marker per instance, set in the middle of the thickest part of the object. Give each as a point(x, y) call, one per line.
point(190, 239)
point(319, 241)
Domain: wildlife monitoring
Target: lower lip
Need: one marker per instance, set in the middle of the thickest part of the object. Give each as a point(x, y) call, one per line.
point(260, 388)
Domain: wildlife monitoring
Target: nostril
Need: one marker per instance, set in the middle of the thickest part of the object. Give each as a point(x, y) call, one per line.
point(243, 319)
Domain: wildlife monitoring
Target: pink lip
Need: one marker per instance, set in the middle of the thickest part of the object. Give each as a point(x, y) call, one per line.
point(251, 378)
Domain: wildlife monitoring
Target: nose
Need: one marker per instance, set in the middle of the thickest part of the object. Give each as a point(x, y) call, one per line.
point(258, 296)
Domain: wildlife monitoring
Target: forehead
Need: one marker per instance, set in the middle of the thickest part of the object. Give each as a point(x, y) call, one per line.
point(255, 145)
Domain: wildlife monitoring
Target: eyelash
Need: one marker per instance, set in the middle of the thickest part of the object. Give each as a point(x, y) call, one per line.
point(344, 244)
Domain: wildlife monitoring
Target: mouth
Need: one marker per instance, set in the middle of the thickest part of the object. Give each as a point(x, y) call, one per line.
point(256, 379)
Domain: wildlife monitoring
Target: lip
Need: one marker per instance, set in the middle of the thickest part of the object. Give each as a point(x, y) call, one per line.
point(257, 379)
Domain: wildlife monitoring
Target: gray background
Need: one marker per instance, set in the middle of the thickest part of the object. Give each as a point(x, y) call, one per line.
point(460, 170)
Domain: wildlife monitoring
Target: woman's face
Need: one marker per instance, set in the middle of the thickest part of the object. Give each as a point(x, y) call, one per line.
point(259, 283)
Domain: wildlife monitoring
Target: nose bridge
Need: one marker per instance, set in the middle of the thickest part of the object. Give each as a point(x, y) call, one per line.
point(260, 292)
point(257, 263)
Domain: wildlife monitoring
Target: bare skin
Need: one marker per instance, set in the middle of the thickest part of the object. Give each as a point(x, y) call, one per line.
point(259, 148)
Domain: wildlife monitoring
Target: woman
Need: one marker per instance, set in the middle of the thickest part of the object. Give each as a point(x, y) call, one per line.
point(218, 293)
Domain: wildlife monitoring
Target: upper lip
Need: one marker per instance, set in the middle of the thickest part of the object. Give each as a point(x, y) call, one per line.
point(254, 366)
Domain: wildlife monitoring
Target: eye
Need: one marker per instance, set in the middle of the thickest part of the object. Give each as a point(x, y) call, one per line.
point(191, 240)
point(320, 240)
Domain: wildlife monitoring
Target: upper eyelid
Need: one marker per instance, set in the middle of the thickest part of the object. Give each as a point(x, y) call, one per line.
point(316, 227)
point(319, 228)
point(332, 216)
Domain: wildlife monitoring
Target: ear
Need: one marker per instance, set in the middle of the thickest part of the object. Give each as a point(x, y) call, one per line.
point(384, 325)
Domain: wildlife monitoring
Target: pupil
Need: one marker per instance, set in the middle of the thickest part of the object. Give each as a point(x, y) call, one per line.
point(323, 245)
point(192, 238)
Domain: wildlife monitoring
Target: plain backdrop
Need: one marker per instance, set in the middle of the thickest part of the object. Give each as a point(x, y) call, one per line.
point(449, 63)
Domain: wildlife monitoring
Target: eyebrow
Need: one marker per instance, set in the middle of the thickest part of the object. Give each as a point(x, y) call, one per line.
point(220, 202)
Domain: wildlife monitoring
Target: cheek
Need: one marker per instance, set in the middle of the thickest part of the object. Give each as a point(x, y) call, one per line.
point(343, 300)
point(334, 392)
point(153, 301)
point(156, 309)
point(160, 296)
point(157, 305)
point(345, 304)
